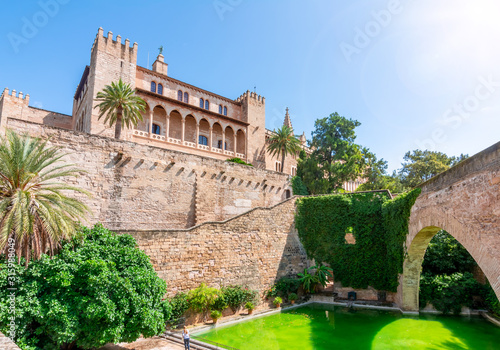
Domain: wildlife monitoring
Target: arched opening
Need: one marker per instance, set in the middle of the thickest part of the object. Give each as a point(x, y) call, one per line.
point(287, 194)
point(240, 142)
point(160, 89)
point(424, 226)
point(204, 132)
point(160, 119)
point(217, 135)
point(229, 139)
point(190, 129)
point(153, 86)
point(175, 127)
point(143, 125)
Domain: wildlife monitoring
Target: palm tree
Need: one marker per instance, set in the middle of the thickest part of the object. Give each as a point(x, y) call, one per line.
point(120, 105)
point(35, 213)
point(283, 142)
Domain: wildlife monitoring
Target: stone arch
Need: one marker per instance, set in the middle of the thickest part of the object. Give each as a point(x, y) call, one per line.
point(229, 132)
point(216, 135)
point(160, 119)
point(144, 124)
point(204, 129)
point(424, 224)
point(240, 141)
point(175, 128)
point(190, 129)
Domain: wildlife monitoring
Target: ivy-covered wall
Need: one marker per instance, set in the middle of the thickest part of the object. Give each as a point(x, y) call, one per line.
point(379, 225)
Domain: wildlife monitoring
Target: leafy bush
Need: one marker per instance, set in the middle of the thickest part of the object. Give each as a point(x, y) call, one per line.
point(179, 304)
point(491, 300)
point(202, 298)
point(277, 301)
point(237, 296)
point(220, 303)
point(287, 285)
point(445, 255)
point(308, 281)
point(216, 314)
point(272, 292)
point(99, 289)
point(298, 187)
point(238, 160)
point(448, 293)
point(292, 296)
point(249, 306)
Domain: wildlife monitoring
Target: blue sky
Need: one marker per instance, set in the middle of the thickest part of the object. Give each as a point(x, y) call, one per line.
point(417, 74)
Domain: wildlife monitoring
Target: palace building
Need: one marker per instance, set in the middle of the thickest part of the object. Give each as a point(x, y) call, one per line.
point(179, 116)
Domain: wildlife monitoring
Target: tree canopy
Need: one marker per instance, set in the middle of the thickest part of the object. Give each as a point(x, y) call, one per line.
point(120, 106)
point(282, 143)
point(335, 157)
point(98, 289)
point(36, 212)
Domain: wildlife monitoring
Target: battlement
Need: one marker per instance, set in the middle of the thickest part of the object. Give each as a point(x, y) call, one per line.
point(251, 95)
point(15, 95)
point(115, 47)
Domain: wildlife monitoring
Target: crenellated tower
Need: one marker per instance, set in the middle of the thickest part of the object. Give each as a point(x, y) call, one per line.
point(110, 60)
point(254, 113)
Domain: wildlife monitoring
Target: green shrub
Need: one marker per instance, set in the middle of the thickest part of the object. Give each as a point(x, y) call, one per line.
point(491, 300)
point(448, 293)
point(249, 306)
point(216, 314)
point(180, 305)
point(220, 303)
point(286, 285)
point(202, 298)
point(98, 289)
point(237, 296)
point(298, 187)
point(277, 301)
point(308, 281)
point(238, 160)
point(272, 292)
point(292, 296)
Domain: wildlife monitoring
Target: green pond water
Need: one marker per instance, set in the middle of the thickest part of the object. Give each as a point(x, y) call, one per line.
point(321, 327)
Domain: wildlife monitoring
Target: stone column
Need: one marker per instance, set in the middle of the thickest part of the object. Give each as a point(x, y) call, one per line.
point(223, 140)
point(183, 130)
point(234, 145)
point(167, 130)
point(210, 139)
point(197, 141)
point(150, 123)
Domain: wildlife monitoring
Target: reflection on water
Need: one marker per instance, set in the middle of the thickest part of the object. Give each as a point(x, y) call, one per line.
point(322, 327)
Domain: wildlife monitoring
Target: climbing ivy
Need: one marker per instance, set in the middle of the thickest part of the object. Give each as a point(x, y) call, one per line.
point(379, 226)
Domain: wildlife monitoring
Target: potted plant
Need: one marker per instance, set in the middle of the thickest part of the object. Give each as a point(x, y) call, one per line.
point(292, 297)
point(250, 307)
point(277, 301)
point(215, 314)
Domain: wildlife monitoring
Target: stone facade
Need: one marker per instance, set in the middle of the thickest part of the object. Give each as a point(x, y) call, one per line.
point(464, 201)
point(137, 186)
point(253, 249)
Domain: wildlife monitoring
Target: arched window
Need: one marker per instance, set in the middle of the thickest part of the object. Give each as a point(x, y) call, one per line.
point(219, 145)
point(220, 109)
point(201, 103)
point(186, 97)
point(179, 95)
point(155, 129)
point(153, 86)
point(207, 104)
point(225, 110)
point(160, 89)
point(278, 166)
point(202, 140)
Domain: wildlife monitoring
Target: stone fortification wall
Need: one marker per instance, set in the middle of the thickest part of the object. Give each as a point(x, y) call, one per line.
point(143, 187)
point(252, 249)
point(16, 105)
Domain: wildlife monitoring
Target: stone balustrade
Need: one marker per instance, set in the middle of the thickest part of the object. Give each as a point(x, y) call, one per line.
point(147, 135)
